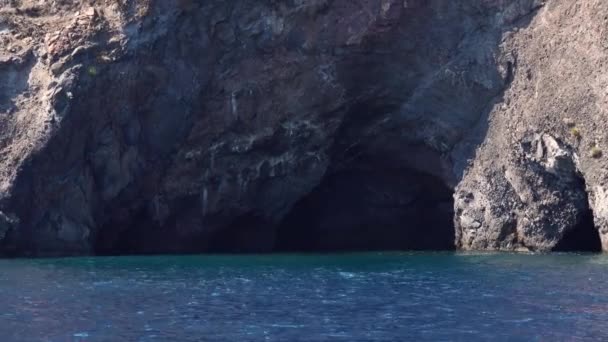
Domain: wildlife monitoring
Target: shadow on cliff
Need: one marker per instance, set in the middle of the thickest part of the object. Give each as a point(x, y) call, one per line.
point(420, 87)
point(404, 144)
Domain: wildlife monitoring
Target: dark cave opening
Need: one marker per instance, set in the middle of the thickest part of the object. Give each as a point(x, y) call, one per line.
point(370, 199)
point(184, 232)
point(584, 237)
point(367, 210)
point(249, 233)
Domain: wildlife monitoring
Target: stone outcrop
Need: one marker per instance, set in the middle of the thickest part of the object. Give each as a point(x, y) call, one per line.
point(257, 126)
point(540, 171)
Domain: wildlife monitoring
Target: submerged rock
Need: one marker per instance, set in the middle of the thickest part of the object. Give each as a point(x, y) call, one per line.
point(254, 126)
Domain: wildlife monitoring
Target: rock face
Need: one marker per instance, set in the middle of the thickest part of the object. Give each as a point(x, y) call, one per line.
point(540, 171)
point(257, 126)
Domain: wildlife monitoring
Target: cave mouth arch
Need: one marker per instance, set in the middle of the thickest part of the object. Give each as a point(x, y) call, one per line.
point(371, 210)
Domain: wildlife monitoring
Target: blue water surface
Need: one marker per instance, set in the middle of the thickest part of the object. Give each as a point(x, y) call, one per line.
point(349, 297)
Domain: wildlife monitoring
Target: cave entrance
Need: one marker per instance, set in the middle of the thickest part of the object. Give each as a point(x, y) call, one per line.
point(248, 233)
point(363, 210)
point(584, 237)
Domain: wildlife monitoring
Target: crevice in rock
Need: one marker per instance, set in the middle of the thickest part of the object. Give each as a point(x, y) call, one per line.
point(584, 236)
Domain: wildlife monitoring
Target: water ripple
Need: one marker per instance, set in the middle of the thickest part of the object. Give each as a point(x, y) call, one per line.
point(361, 297)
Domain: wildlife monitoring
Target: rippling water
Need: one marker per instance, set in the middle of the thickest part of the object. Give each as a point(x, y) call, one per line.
point(361, 297)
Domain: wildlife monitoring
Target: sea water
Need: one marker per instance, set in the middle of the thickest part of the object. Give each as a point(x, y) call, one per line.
point(347, 297)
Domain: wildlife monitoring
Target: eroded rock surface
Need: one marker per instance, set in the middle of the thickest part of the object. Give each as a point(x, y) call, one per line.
point(254, 126)
point(541, 169)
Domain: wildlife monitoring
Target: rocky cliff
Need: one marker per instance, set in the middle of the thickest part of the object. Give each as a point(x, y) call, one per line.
point(257, 126)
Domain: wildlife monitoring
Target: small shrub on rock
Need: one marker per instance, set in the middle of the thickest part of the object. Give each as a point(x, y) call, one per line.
point(575, 132)
point(596, 152)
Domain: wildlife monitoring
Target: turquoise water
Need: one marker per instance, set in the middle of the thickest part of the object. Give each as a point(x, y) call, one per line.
point(359, 297)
